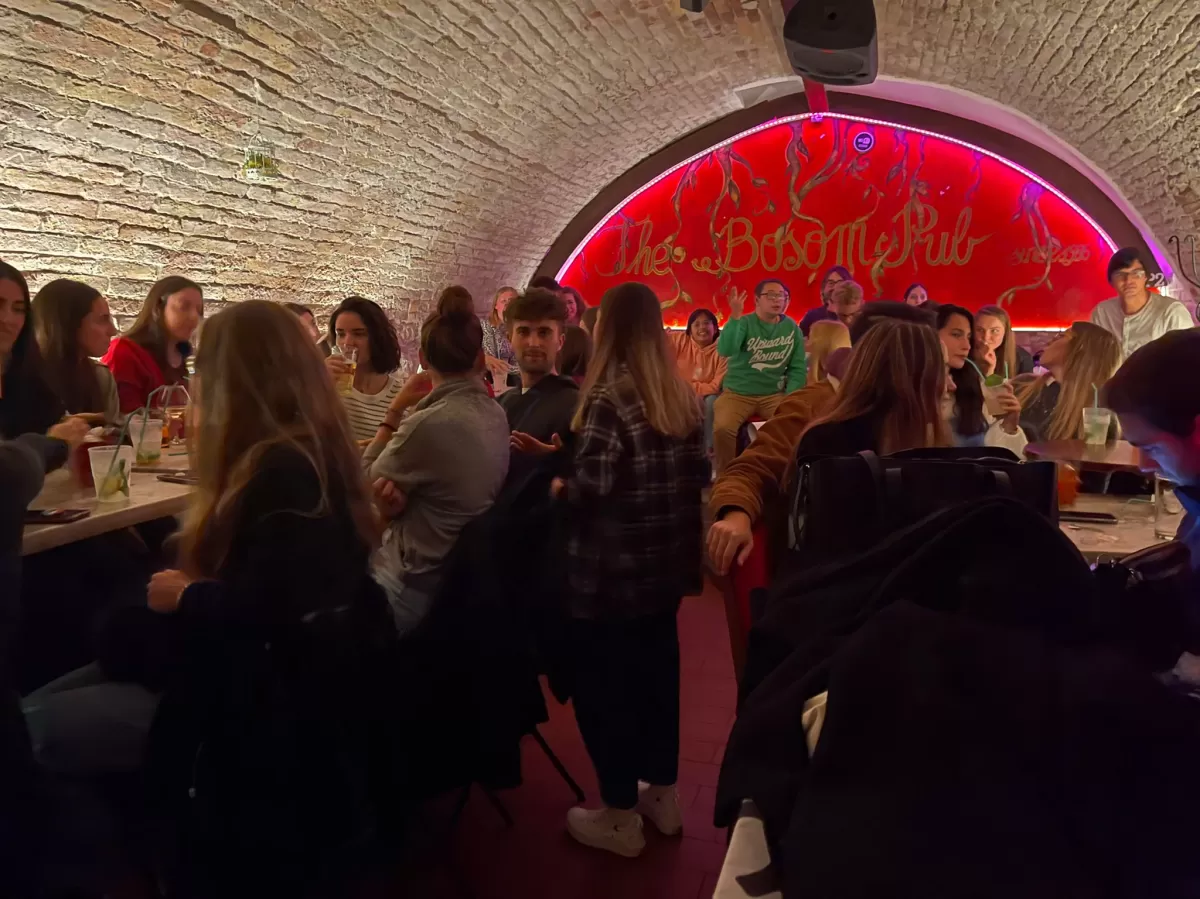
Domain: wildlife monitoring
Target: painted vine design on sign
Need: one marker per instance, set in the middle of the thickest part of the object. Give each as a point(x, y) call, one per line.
point(892, 205)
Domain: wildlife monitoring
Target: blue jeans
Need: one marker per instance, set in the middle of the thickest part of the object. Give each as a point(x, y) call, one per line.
point(84, 724)
point(709, 402)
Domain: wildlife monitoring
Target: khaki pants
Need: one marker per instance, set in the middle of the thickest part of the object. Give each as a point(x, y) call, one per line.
point(731, 412)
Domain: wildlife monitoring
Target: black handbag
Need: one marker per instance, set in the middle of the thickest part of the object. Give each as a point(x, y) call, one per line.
point(841, 504)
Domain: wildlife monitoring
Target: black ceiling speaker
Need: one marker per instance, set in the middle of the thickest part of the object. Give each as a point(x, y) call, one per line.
point(833, 41)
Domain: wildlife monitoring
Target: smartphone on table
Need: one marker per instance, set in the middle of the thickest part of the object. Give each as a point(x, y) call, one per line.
point(1076, 517)
point(54, 516)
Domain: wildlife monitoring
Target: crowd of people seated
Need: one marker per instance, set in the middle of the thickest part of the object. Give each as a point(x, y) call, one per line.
point(313, 502)
point(331, 488)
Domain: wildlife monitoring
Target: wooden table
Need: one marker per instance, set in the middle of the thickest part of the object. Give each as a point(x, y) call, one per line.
point(1134, 529)
point(149, 498)
point(1117, 456)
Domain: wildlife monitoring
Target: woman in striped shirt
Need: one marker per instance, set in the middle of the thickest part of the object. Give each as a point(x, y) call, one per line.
point(363, 326)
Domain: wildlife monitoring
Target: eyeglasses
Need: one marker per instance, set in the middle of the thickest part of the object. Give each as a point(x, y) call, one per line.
point(773, 295)
point(1135, 275)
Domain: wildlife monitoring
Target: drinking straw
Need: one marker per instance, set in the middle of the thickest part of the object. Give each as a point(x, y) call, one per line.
point(976, 367)
point(145, 413)
point(1095, 397)
point(1006, 371)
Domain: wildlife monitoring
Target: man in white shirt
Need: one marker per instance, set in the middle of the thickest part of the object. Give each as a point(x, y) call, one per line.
point(1135, 315)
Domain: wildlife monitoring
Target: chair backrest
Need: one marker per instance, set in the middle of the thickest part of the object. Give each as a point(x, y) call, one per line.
point(841, 505)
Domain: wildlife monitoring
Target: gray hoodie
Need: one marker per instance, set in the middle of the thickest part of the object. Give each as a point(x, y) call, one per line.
point(449, 457)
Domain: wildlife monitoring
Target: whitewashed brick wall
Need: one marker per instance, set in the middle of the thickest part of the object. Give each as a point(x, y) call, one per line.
point(424, 142)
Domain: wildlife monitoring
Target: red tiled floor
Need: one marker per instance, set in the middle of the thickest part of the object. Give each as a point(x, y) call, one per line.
point(535, 858)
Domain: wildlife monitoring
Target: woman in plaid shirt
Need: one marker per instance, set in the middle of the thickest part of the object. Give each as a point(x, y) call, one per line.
point(634, 548)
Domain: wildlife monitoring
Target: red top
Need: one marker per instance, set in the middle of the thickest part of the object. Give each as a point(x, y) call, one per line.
point(135, 371)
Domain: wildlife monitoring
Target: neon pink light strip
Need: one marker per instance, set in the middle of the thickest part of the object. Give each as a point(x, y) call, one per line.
point(850, 118)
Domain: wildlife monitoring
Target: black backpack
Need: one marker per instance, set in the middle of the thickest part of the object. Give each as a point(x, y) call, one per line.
point(842, 504)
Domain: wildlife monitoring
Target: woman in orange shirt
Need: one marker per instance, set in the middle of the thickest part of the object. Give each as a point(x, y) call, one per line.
point(698, 361)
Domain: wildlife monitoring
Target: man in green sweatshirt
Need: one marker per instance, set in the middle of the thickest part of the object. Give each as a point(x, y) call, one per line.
point(766, 362)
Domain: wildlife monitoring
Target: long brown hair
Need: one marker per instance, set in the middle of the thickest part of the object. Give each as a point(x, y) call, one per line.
point(1093, 356)
point(897, 373)
point(576, 352)
point(146, 330)
point(630, 343)
point(262, 386)
point(1006, 353)
point(58, 310)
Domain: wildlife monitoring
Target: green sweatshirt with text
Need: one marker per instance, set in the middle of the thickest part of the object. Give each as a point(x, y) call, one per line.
point(763, 358)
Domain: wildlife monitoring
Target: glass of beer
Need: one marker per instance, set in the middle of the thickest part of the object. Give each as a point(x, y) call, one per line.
point(345, 381)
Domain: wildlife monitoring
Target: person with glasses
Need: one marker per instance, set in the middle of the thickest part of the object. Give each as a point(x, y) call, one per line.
point(1135, 315)
point(823, 313)
point(766, 362)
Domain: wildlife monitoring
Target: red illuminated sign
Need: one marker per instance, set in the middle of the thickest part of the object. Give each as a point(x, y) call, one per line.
point(895, 206)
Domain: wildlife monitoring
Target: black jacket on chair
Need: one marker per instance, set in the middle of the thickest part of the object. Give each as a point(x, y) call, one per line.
point(986, 734)
point(465, 681)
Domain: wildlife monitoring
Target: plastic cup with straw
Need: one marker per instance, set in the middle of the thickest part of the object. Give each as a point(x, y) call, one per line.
point(115, 473)
point(1096, 421)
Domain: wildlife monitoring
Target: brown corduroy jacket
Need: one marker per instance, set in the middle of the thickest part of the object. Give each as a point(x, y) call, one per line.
point(758, 479)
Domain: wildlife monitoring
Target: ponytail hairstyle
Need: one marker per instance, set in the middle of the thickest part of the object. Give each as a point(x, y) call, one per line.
point(455, 297)
point(452, 340)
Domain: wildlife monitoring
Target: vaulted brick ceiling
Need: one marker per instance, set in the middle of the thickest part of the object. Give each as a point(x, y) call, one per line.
point(430, 141)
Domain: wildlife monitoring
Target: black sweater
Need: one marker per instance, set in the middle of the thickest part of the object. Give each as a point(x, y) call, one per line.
point(544, 410)
point(286, 561)
point(27, 405)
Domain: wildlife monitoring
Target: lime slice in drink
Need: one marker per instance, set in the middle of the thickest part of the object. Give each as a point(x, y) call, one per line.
point(993, 381)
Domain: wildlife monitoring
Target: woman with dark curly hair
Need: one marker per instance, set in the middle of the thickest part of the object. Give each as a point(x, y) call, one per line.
point(362, 326)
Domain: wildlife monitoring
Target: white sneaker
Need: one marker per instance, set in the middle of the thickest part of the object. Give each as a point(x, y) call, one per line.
point(602, 828)
point(661, 806)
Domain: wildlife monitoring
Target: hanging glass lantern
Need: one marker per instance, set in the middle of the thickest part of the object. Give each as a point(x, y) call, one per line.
point(260, 162)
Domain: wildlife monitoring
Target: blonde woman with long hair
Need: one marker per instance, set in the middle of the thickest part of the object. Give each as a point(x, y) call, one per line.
point(634, 546)
point(890, 399)
point(1078, 363)
point(823, 339)
point(281, 528)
